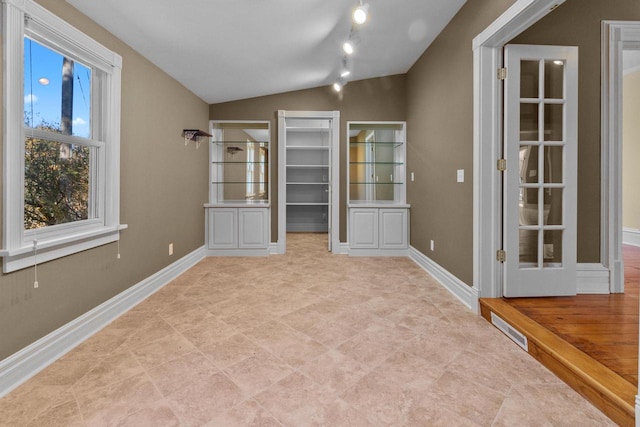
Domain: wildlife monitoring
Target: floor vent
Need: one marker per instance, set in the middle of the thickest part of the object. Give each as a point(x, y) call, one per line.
point(515, 336)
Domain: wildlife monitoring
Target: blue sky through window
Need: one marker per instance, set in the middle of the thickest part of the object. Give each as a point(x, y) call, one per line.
point(43, 98)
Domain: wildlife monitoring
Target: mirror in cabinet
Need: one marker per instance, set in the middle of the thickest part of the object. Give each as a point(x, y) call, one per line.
point(377, 162)
point(239, 162)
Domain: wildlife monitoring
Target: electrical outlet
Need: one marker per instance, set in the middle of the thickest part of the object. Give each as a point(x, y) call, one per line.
point(433, 245)
point(170, 248)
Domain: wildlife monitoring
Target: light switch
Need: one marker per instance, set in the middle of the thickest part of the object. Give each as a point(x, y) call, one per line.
point(460, 175)
point(412, 177)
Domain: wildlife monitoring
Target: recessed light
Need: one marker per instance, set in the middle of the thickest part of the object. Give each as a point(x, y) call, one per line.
point(43, 81)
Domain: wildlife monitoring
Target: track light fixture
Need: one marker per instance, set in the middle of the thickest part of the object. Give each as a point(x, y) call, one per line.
point(348, 47)
point(360, 13)
point(337, 86)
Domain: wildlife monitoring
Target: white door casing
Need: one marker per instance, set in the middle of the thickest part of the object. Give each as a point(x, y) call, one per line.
point(540, 182)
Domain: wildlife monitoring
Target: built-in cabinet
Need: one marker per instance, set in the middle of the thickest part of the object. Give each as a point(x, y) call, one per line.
point(238, 212)
point(378, 219)
point(308, 173)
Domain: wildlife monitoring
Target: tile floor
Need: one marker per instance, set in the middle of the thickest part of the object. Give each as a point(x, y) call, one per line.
point(302, 339)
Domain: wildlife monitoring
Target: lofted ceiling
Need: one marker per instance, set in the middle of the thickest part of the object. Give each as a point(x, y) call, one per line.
point(225, 50)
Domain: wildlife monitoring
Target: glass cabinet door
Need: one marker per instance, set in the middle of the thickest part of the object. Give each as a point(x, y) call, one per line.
point(376, 162)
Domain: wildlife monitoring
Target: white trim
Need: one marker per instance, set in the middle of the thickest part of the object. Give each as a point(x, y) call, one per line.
point(334, 117)
point(343, 248)
point(19, 367)
point(637, 410)
point(592, 278)
point(274, 249)
point(616, 36)
point(64, 239)
point(631, 236)
point(487, 137)
point(465, 293)
point(377, 252)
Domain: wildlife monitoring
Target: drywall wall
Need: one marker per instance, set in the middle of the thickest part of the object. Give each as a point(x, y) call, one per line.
point(372, 99)
point(163, 189)
point(631, 151)
point(578, 23)
point(440, 140)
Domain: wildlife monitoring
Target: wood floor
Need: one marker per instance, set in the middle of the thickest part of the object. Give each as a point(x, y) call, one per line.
point(602, 327)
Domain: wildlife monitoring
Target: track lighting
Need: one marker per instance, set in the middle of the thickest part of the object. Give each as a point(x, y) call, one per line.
point(337, 86)
point(345, 73)
point(348, 47)
point(359, 15)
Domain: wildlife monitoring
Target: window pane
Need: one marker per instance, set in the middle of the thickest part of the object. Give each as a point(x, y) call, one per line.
point(57, 91)
point(56, 183)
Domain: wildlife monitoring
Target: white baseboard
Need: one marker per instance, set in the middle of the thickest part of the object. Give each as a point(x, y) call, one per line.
point(631, 236)
point(592, 279)
point(343, 249)
point(637, 410)
point(20, 366)
point(465, 293)
point(377, 252)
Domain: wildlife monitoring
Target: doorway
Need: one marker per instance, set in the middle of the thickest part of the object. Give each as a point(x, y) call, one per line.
point(308, 175)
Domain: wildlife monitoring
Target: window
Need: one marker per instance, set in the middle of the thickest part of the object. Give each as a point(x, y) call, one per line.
point(61, 138)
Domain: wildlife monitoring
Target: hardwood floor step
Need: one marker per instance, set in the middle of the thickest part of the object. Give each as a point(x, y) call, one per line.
point(607, 390)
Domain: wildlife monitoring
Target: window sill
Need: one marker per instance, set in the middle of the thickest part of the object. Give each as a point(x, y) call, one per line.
point(47, 250)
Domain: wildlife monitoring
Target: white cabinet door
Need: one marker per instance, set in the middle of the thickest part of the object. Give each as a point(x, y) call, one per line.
point(222, 228)
point(363, 231)
point(393, 229)
point(252, 228)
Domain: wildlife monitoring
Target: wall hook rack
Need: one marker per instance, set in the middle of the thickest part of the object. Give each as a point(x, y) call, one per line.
point(195, 135)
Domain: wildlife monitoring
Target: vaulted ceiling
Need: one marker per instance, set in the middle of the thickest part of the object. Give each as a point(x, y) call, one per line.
point(225, 50)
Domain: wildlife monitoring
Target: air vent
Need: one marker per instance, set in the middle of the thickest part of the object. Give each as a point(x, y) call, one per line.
point(515, 336)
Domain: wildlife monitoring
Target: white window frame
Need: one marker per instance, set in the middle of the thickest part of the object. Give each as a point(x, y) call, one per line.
point(22, 18)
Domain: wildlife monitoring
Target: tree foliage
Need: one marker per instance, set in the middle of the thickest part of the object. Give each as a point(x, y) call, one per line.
point(56, 181)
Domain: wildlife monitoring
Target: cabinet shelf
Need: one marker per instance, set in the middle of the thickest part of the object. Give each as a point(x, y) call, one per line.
point(307, 204)
point(376, 163)
point(308, 166)
point(215, 162)
point(307, 183)
point(376, 143)
point(241, 142)
point(375, 183)
point(307, 147)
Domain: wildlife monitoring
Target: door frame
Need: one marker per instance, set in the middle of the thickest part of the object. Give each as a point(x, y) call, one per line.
point(334, 183)
point(487, 139)
point(616, 37)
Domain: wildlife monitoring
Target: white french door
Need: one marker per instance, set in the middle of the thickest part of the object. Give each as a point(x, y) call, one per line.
point(540, 181)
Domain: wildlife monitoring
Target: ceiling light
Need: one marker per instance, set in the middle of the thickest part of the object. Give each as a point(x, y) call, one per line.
point(43, 81)
point(337, 86)
point(348, 48)
point(345, 73)
point(359, 15)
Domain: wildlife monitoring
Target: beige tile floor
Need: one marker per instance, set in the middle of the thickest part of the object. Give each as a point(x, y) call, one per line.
point(302, 339)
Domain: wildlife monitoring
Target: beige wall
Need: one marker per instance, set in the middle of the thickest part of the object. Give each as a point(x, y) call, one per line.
point(372, 99)
point(163, 187)
point(577, 23)
point(631, 151)
point(440, 140)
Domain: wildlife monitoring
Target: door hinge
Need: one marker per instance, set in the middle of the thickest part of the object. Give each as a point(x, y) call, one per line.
point(501, 255)
point(502, 73)
point(502, 165)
